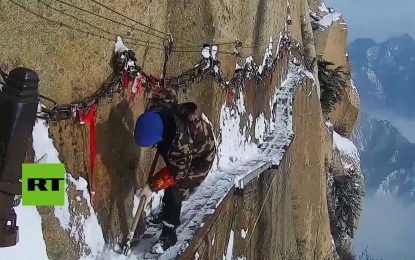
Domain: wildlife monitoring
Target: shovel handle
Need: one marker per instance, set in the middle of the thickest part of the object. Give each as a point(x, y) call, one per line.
point(140, 209)
point(137, 216)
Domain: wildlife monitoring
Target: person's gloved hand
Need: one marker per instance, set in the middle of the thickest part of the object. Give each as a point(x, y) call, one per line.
point(146, 192)
point(163, 179)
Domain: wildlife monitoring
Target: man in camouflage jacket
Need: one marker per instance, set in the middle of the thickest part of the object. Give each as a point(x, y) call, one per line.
point(187, 145)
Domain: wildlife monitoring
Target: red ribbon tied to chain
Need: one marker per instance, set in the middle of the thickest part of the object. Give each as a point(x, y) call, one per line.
point(125, 80)
point(155, 84)
point(229, 94)
point(89, 118)
point(136, 87)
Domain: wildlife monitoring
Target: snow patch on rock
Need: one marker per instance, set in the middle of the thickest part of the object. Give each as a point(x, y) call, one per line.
point(244, 233)
point(229, 249)
point(84, 229)
point(345, 145)
point(329, 16)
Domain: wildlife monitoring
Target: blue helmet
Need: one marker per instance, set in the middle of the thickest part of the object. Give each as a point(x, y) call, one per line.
point(148, 129)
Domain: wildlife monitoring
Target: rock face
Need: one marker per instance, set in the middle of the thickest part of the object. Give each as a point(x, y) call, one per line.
point(331, 45)
point(73, 64)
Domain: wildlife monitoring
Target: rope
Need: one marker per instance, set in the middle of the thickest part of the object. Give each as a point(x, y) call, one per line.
point(131, 19)
point(108, 19)
point(93, 26)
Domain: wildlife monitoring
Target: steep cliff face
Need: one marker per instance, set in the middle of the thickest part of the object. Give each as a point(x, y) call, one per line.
point(294, 221)
point(331, 44)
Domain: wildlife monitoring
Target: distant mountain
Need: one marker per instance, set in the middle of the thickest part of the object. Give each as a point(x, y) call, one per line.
point(387, 158)
point(385, 74)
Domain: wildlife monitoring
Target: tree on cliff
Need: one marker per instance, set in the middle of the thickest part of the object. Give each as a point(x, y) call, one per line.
point(345, 196)
point(331, 84)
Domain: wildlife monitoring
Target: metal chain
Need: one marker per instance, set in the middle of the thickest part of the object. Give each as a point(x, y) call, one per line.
point(126, 66)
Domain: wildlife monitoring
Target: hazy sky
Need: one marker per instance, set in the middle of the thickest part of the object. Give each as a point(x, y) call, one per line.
point(377, 19)
point(387, 228)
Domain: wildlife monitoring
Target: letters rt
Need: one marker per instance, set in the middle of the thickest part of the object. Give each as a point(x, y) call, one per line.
point(43, 184)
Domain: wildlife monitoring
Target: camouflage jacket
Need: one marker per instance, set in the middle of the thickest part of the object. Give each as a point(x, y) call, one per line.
point(188, 145)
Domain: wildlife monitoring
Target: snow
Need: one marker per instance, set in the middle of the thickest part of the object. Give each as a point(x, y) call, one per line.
point(354, 88)
point(84, 229)
point(372, 55)
point(329, 124)
point(30, 236)
point(206, 52)
point(322, 8)
point(119, 45)
point(267, 56)
point(388, 185)
point(136, 203)
point(210, 52)
point(229, 249)
point(345, 145)
point(260, 126)
point(249, 59)
point(244, 233)
point(230, 119)
point(329, 18)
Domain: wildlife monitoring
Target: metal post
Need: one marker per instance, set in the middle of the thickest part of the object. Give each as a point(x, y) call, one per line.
point(18, 106)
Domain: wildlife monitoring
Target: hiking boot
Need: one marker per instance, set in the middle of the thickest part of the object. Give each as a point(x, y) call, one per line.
point(167, 239)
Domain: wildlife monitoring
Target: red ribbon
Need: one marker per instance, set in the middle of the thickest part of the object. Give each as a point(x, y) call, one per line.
point(155, 84)
point(136, 87)
point(89, 118)
point(229, 94)
point(125, 79)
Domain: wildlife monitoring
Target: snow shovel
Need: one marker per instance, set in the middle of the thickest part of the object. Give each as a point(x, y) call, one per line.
point(143, 201)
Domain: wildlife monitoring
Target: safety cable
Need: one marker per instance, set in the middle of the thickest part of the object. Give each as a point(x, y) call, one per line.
point(94, 26)
point(202, 45)
point(77, 29)
point(176, 47)
point(108, 19)
point(236, 42)
point(131, 19)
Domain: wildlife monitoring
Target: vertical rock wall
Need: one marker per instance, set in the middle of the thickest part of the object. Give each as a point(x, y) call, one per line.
point(73, 64)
